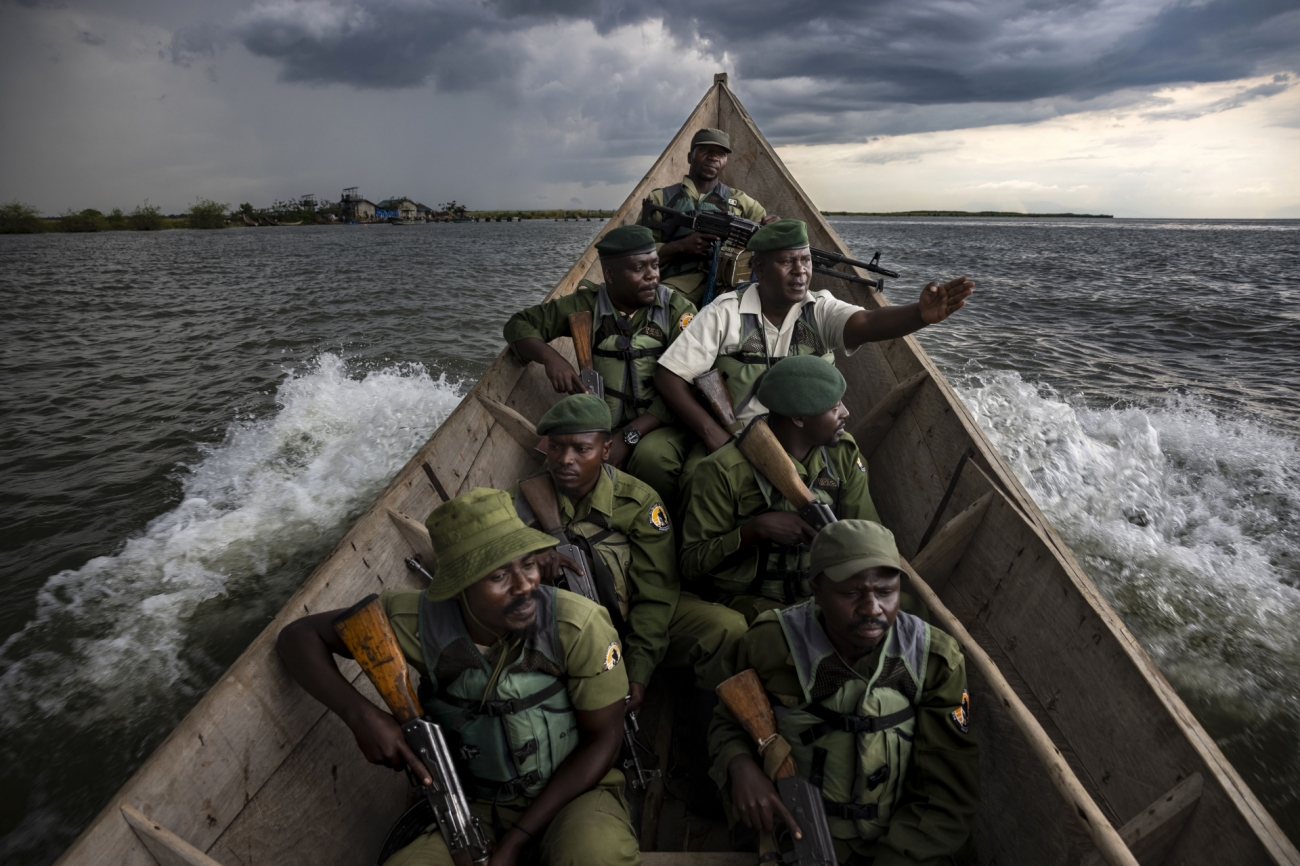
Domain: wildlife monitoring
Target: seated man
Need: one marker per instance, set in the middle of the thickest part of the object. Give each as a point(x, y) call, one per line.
point(902, 789)
point(741, 538)
point(486, 629)
point(744, 332)
point(684, 259)
point(634, 320)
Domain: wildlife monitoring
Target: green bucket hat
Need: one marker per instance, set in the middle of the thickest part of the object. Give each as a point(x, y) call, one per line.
point(801, 385)
point(475, 534)
point(779, 235)
point(843, 549)
point(715, 137)
point(626, 241)
point(577, 413)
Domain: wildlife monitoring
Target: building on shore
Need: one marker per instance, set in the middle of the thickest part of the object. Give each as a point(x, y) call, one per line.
point(402, 208)
point(356, 209)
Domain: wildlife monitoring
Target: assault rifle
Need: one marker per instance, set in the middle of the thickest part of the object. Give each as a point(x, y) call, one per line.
point(734, 233)
point(539, 492)
point(580, 329)
point(744, 696)
point(365, 631)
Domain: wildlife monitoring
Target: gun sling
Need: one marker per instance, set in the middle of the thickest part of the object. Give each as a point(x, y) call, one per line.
point(503, 708)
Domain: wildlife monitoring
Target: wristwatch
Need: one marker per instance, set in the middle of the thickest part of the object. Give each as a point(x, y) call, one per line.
point(631, 436)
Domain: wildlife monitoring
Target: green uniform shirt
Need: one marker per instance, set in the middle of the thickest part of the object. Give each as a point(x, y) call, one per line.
point(586, 636)
point(725, 495)
point(629, 506)
point(940, 791)
point(550, 321)
point(689, 282)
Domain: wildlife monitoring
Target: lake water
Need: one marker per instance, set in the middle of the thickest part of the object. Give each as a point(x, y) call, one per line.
point(192, 419)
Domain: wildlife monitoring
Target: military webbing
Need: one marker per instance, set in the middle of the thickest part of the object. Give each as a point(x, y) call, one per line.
point(752, 346)
point(614, 323)
point(503, 708)
point(765, 550)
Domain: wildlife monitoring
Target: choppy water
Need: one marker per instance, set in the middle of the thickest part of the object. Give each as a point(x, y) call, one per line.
point(192, 419)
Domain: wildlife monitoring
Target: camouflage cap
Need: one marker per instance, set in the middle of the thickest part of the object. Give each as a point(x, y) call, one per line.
point(843, 549)
point(779, 235)
point(577, 413)
point(475, 534)
point(801, 385)
point(715, 137)
point(626, 241)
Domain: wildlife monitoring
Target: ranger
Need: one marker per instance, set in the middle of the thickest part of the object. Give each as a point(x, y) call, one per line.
point(636, 319)
point(872, 705)
point(743, 333)
point(684, 258)
point(629, 542)
point(741, 539)
point(527, 682)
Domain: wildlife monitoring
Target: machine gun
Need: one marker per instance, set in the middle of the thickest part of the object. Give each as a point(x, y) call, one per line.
point(744, 696)
point(365, 631)
point(734, 233)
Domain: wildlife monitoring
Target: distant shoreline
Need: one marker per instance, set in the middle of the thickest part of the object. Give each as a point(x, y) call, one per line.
point(968, 213)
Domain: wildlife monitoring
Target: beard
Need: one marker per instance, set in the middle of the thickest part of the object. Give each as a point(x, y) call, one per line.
point(530, 630)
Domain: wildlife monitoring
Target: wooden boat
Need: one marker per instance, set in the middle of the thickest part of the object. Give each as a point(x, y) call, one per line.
point(259, 772)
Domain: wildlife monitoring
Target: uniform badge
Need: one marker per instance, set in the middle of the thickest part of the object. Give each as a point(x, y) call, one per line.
point(659, 518)
point(613, 656)
point(733, 202)
point(961, 715)
point(862, 467)
point(684, 321)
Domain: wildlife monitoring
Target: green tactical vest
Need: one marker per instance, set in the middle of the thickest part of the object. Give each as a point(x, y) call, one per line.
point(744, 367)
point(509, 745)
point(722, 198)
point(852, 737)
point(626, 359)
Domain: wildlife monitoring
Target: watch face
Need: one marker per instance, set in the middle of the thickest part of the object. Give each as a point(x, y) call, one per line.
point(631, 436)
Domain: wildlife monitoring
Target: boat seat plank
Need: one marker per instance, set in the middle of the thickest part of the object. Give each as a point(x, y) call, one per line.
point(166, 848)
point(877, 423)
point(416, 535)
point(519, 428)
point(1151, 834)
point(940, 556)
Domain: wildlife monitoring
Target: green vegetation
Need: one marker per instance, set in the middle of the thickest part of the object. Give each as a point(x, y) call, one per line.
point(145, 218)
point(967, 213)
point(208, 214)
point(88, 220)
point(19, 218)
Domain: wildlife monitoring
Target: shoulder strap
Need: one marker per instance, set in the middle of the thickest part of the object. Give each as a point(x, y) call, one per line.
point(670, 195)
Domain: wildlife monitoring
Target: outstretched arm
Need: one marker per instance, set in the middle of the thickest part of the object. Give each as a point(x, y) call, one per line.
point(938, 302)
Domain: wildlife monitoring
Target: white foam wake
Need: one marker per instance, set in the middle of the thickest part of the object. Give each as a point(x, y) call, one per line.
point(108, 638)
point(1187, 520)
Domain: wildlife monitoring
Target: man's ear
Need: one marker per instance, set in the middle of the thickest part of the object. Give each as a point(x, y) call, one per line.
point(798, 422)
point(605, 271)
point(609, 440)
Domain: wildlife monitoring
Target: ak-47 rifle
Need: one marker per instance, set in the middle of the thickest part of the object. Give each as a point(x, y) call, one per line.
point(365, 631)
point(735, 233)
point(580, 329)
point(744, 696)
point(539, 492)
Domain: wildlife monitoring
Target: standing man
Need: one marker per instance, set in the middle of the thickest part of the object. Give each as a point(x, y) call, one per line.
point(526, 680)
point(742, 540)
point(635, 320)
point(629, 542)
point(684, 259)
point(872, 707)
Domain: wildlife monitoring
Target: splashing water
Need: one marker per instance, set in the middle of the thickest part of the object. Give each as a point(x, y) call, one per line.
point(152, 626)
point(1189, 522)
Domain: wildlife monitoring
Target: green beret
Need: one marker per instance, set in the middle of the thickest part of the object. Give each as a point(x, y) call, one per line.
point(626, 241)
point(801, 385)
point(843, 549)
point(475, 534)
point(779, 235)
point(577, 413)
point(715, 137)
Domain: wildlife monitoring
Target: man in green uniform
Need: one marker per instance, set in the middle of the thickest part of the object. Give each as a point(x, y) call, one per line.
point(527, 682)
point(872, 706)
point(629, 541)
point(635, 320)
point(685, 258)
point(743, 333)
point(740, 536)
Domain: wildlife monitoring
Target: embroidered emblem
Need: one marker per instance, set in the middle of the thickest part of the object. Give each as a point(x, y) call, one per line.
point(862, 467)
point(659, 518)
point(733, 202)
point(613, 656)
point(825, 482)
point(961, 715)
point(684, 321)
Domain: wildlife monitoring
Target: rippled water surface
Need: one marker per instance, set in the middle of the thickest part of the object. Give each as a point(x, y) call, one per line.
point(191, 419)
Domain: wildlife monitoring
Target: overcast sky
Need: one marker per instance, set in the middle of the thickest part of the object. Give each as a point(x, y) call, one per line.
point(1146, 108)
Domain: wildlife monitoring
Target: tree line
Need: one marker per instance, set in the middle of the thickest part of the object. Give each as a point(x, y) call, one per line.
point(16, 217)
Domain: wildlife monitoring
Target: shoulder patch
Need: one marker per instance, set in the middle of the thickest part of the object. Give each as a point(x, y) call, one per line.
point(613, 656)
point(862, 467)
point(659, 517)
point(961, 716)
point(684, 321)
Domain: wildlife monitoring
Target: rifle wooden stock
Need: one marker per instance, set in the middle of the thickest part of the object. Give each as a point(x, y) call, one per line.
point(761, 448)
point(580, 330)
point(539, 492)
point(714, 390)
point(365, 631)
point(744, 695)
